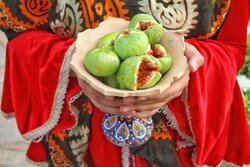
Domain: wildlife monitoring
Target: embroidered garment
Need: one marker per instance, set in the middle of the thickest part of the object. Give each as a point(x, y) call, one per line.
point(67, 148)
point(194, 18)
point(206, 127)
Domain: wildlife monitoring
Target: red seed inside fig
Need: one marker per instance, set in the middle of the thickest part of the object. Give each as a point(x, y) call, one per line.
point(144, 25)
point(126, 32)
point(145, 70)
point(156, 52)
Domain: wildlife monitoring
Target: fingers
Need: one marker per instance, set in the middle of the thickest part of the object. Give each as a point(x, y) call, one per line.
point(114, 105)
point(139, 107)
point(142, 107)
point(141, 110)
point(99, 97)
point(145, 114)
point(173, 91)
point(138, 113)
point(107, 109)
point(195, 59)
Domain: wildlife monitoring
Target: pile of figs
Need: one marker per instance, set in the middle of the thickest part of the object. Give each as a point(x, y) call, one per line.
point(132, 59)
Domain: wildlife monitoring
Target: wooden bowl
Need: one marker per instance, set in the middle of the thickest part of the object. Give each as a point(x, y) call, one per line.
point(88, 39)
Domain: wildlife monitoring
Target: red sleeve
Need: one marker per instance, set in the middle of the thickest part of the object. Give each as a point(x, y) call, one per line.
point(215, 109)
point(37, 87)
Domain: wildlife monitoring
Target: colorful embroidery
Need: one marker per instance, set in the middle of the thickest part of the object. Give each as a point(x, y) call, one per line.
point(160, 131)
point(222, 7)
point(96, 11)
point(127, 131)
point(159, 150)
point(110, 122)
point(176, 15)
point(36, 10)
point(68, 148)
point(11, 22)
point(57, 154)
point(69, 17)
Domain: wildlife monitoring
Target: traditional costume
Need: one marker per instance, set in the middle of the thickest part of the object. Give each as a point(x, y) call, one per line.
point(207, 124)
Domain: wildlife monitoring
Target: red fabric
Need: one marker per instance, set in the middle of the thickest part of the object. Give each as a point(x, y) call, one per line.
point(35, 68)
point(100, 148)
point(218, 121)
point(67, 119)
point(38, 77)
point(217, 116)
point(36, 153)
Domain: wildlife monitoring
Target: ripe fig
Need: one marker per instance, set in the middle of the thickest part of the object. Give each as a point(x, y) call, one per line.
point(141, 17)
point(101, 62)
point(131, 43)
point(149, 25)
point(154, 33)
point(107, 40)
point(138, 72)
point(159, 52)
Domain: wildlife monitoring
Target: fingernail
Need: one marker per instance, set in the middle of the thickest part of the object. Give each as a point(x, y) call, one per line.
point(126, 109)
point(195, 66)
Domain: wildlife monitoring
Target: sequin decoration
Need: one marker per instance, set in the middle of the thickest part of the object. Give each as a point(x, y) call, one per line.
point(127, 131)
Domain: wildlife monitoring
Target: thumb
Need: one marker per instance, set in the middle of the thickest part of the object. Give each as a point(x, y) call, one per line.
point(195, 59)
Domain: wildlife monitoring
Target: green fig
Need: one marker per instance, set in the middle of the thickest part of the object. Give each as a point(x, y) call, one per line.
point(154, 33)
point(107, 40)
point(119, 77)
point(101, 62)
point(138, 72)
point(149, 25)
point(110, 81)
point(159, 52)
point(166, 62)
point(131, 43)
point(133, 23)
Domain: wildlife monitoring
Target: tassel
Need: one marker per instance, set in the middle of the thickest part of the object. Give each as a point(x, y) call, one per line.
point(125, 156)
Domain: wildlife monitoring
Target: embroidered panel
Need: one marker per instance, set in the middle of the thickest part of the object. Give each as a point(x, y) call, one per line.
point(68, 148)
point(193, 18)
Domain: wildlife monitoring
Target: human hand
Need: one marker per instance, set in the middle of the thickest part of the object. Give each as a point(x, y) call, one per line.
point(148, 105)
point(144, 106)
point(195, 59)
point(108, 104)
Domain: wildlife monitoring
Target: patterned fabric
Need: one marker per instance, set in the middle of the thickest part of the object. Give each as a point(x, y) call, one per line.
point(193, 18)
point(67, 148)
point(130, 132)
point(159, 150)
